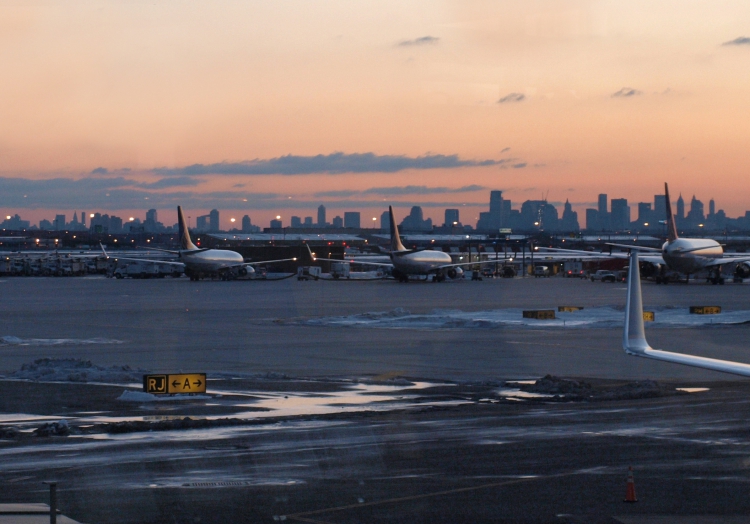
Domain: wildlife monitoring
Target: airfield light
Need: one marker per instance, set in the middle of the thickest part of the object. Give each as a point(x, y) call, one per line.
point(278, 217)
point(536, 223)
point(131, 219)
point(645, 224)
point(455, 223)
point(115, 240)
point(55, 241)
point(91, 215)
point(700, 225)
point(37, 240)
point(373, 219)
point(7, 217)
point(232, 220)
point(147, 240)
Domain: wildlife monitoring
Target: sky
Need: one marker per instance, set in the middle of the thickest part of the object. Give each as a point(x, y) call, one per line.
point(272, 108)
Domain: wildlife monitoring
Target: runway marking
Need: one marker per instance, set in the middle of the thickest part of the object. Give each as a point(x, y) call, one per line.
point(302, 516)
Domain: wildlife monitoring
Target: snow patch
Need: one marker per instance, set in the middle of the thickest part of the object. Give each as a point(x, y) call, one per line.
point(75, 370)
point(595, 317)
point(15, 341)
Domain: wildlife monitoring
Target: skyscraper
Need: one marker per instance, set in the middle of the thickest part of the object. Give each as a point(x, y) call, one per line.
point(296, 221)
point(385, 221)
point(680, 208)
point(213, 221)
point(451, 217)
point(321, 215)
point(246, 224)
point(620, 215)
point(352, 219)
point(660, 207)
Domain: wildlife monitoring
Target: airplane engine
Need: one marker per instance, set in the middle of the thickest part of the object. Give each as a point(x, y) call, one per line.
point(742, 270)
point(242, 271)
point(455, 272)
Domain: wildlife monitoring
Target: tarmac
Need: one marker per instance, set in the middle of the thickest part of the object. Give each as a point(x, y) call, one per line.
point(439, 442)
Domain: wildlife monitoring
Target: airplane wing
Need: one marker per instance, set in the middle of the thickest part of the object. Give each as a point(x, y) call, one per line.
point(354, 261)
point(247, 263)
point(634, 335)
point(591, 255)
point(482, 262)
point(728, 259)
point(168, 262)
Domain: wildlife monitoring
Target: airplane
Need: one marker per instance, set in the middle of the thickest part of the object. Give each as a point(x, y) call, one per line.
point(684, 255)
point(634, 335)
point(424, 262)
point(201, 262)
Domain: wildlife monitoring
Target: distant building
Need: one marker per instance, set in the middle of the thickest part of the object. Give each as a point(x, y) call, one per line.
point(308, 222)
point(451, 218)
point(645, 214)
point(45, 225)
point(680, 208)
point(276, 224)
point(414, 221)
point(201, 223)
point(338, 222)
point(620, 214)
point(296, 222)
point(660, 207)
point(569, 220)
point(322, 216)
point(352, 219)
point(592, 220)
point(247, 225)
point(59, 222)
point(16, 224)
point(115, 224)
point(213, 218)
point(385, 221)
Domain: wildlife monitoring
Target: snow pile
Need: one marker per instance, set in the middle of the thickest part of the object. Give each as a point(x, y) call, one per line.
point(53, 429)
point(595, 317)
point(75, 370)
point(15, 341)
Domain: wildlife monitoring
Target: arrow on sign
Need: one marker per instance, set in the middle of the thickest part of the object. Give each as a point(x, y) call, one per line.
point(197, 384)
point(175, 384)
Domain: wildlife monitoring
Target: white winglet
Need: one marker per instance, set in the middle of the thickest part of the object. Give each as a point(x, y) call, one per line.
point(634, 335)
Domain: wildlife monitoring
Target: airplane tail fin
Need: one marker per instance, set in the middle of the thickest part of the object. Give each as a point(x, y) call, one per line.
point(185, 243)
point(671, 226)
point(396, 244)
point(634, 335)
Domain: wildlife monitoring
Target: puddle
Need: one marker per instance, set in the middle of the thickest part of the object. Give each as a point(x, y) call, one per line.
point(518, 394)
point(693, 390)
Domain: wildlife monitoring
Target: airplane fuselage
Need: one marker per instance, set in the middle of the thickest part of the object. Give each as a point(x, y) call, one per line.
point(211, 260)
point(420, 262)
point(690, 255)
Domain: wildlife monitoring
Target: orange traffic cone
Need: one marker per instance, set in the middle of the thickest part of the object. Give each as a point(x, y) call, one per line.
point(630, 492)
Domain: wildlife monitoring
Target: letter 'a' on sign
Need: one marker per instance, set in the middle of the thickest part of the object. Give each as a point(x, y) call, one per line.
point(172, 384)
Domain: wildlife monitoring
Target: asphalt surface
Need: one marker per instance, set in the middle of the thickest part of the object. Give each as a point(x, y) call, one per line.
point(479, 459)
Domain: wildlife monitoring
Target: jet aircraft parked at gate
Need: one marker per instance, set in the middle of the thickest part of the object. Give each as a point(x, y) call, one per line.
point(201, 262)
point(423, 262)
point(684, 255)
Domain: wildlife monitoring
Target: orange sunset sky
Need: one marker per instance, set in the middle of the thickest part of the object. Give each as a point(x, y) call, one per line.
point(109, 105)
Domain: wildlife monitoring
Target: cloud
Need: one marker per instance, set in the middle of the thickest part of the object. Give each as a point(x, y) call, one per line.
point(742, 40)
point(401, 190)
point(171, 182)
point(511, 98)
point(505, 150)
point(520, 165)
point(423, 40)
point(99, 171)
point(333, 164)
point(626, 92)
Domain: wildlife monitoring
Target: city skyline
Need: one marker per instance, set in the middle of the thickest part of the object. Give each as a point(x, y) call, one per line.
point(608, 213)
point(271, 109)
